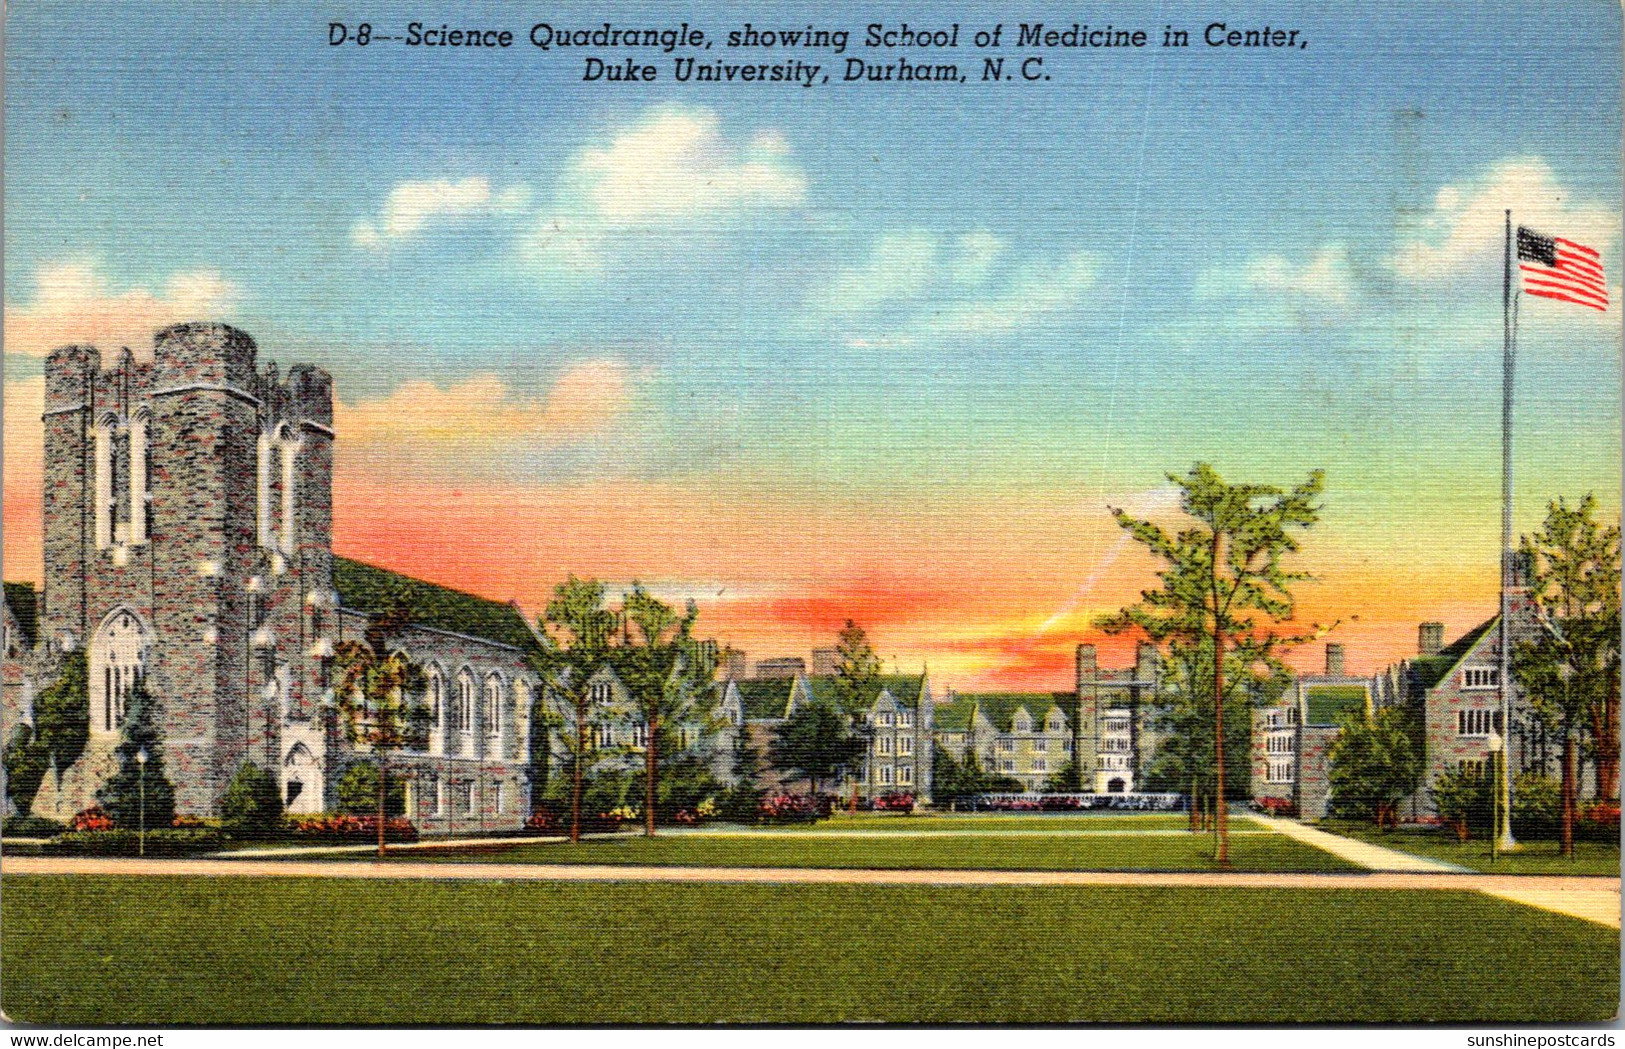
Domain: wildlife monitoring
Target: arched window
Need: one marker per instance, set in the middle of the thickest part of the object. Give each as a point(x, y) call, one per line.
point(437, 699)
point(106, 431)
point(277, 452)
point(491, 706)
point(118, 661)
point(463, 715)
point(138, 477)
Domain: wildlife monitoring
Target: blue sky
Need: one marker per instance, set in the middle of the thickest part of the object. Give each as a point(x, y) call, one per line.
point(949, 294)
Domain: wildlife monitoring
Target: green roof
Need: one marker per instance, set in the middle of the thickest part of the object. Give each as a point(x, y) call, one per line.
point(24, 604)
point(368, 588)
point(905, 688)
point(766, 699)
point(1000, 707)
point(1427, 671)
point(955, 715)
point(1328, 703)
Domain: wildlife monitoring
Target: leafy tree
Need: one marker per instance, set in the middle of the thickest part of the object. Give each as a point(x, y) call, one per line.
point(1570, 670)
point(815, 743)
point(380, 697)
point(1465, 798)
point(134, 790)
point(856, 667)
point(744, 798)
point(1224, 585)
point(26, 762)
point(667, 671)
point(357, 792)
point(953, 779)
point(1375, 762)
point(252, 807)
point(62, 713)
point(1064, 779)
point(1537, 804)
point(577, 629)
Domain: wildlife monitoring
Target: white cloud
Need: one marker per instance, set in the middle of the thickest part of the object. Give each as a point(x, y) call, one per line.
point(1324, 280)
point(1035, 292)
point(412, 206)
point(74, 303)
point(671, 168)
point(900, 267)
point(1467, 227)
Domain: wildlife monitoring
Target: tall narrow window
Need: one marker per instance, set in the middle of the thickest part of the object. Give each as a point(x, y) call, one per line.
point(491, 707)
point(465, 705)
point(264, 451)
point(138, 478)
point(288, 451)
point(118, 658)
point(103, 438)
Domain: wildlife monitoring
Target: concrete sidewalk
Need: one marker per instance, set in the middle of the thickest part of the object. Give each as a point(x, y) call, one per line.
point(1364, 854)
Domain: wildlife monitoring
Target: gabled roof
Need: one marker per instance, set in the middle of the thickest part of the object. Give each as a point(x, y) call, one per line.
point(906, 689)
point(955, 715)
point(766, 699)
point(1000, 707)
point(1428, 671)
point(368, 588)
point(24, 605)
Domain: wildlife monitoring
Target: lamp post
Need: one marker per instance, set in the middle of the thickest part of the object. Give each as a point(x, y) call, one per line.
point(1497, 753)
point(141, 780)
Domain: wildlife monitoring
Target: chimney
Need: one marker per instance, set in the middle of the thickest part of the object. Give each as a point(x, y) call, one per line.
point(1087, 663)
point(1334, 659)
point(1145, 659)
point(1430, 639)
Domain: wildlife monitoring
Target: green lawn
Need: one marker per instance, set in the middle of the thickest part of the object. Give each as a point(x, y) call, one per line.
point(1248, 852)
point(83, 950)
point(1533, 857)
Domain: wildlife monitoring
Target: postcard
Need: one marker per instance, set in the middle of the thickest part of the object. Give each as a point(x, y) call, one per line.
point(811, 514)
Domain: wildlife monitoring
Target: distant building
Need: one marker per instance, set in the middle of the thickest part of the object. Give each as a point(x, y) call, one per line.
point(896, 713)
point(780, 667)
point(732, 663)
point(1291, 738)
point(1024, 735)
point(826, 661)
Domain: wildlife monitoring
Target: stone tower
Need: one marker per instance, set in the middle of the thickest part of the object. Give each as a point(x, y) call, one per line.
point(187, 534)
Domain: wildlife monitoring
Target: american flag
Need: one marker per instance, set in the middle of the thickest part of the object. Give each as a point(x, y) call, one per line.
point(1555, 268)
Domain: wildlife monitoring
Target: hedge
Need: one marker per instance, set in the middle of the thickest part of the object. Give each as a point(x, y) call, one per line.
point(165, 841)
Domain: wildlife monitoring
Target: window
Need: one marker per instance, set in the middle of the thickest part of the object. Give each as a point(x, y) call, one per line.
point(885, 774)
point(1066, 746)
point(1116, 746)
point(883, 745)
point(1040, 765)
point(1481, 677)
point(884, 720)
point(491, 707)
point(906, 719)
point(437, 696)
point(603, 736)
point(467, 790)
point(502, 797)
point(1041, 745)
point(1023, 723)
point(118, 662)
point(1280, 770)
point(1279, 743)
point(905, 745)
point(1056, 724)
point(1471, 766)
point(600, 692)
point(1007, 766)
point(1007, 746)
point(1477, 722)
point(439, 796)
point(640, 735)
point(905, 775)
point(463, 715)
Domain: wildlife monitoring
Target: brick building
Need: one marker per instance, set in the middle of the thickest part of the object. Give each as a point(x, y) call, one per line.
point(188, 547)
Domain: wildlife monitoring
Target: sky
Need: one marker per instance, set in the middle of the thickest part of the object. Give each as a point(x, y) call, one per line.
point(886, 352)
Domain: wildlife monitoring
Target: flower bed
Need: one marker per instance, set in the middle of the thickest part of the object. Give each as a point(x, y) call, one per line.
point(1275, 806)
point(900, 801)
point(91, 819)
point(348, 830)
point(795, 808)
point(1598, 823)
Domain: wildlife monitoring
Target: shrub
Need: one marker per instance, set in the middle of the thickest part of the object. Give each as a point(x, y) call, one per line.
point(93, 818)
point(344, 829)
point(740, 804)
point(1464, 798)
point(165, 841)
point(543, 821)
point(897, 801)
point(252, 807)
point(1276, 806)
point(358, 791)
point(795, 808)
point(1598, 823)
point(30, 827)
point(1537, 806)
point(137, 791)
point(26, 760)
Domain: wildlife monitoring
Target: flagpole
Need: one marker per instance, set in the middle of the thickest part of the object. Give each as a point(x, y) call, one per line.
point(1507, 370)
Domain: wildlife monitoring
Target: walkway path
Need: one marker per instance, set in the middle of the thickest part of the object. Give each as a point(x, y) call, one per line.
point(1593, 899)
point(1371, 857)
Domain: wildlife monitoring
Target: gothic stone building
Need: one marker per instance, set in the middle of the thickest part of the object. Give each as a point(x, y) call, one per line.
point(188, 547)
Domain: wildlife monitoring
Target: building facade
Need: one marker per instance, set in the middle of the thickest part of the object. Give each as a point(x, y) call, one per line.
point(188, 550)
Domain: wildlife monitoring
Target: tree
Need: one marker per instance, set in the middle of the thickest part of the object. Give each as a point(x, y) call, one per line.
point(1224, 585)
point(744, 798)
point(667, 671)
point(139, 790)
point(26, 762)
point(379, 696)
point(357, 792)
point(1570, 669)
point(856, 667)
point(815, 743)
point(1465, 798)
point(252, 807)
point(1375, 762)
point(1063, 779)
point(576, 628)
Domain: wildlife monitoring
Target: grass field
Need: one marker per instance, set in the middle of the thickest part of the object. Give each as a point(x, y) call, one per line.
point(972, 851)
point(1533, 857)
point(87, 950)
